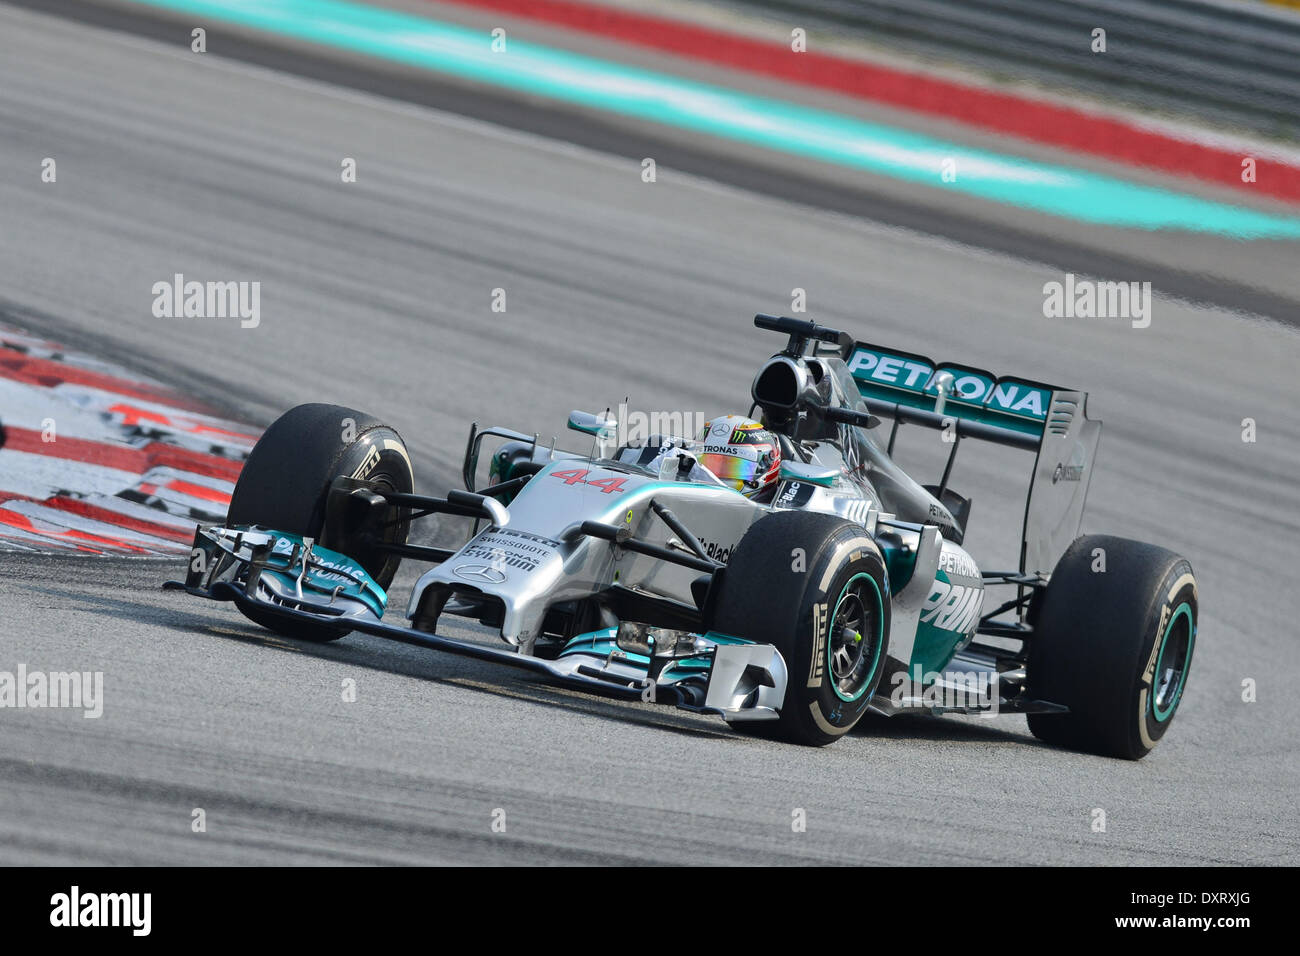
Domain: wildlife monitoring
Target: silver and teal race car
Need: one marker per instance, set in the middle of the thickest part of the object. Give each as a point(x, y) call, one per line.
point(633, 572)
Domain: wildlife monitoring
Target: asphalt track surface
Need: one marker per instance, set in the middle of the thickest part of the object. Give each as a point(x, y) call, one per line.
point(377, 295)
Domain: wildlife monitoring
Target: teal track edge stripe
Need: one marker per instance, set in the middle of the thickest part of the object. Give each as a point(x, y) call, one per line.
point(771, 123)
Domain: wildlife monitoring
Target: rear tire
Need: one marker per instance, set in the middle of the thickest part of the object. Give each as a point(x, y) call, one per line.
point(284, 483)
point(1115, 646)
point(826, 611)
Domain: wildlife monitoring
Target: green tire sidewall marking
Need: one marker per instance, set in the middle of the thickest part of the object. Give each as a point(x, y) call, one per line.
point(880, 624)
point(1162, 714)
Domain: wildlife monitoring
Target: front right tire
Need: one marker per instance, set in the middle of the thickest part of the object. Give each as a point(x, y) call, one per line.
point(284, 484)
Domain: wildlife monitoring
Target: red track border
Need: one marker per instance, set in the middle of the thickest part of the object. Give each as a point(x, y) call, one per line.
point(1034, 120)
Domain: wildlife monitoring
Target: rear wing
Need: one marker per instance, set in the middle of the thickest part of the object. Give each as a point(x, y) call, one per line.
point(958, 391)
point(969, 402)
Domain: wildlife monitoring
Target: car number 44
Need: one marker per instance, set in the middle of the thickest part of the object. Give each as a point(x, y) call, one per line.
point(578, 476)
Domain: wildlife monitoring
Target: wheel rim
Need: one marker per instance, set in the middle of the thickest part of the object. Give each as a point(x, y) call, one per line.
point(1172, 663)
point(853, 649)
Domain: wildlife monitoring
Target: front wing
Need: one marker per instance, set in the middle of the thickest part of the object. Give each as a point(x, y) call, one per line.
point(296, 580)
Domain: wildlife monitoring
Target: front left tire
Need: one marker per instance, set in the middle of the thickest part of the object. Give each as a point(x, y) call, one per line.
point(814, 586)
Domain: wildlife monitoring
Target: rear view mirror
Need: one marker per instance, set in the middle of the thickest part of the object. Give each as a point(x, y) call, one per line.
point(590, 424)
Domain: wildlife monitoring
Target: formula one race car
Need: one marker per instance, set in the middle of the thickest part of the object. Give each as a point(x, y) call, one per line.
point(820, 584)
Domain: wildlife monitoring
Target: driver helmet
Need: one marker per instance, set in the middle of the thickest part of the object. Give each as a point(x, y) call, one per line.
point(741, 452)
